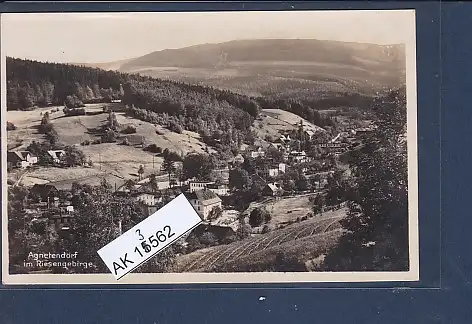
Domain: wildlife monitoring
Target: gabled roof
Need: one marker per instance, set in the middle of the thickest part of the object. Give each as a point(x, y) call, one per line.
point(141, 192)
point(17, 156)
point(206, 197)
point(56, 154)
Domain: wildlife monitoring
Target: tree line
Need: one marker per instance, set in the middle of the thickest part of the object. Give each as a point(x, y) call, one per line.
point(377, 222)
point(31, 83)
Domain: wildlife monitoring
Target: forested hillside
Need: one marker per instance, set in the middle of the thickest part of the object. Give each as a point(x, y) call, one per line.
point(31, 83)
point(220, 116)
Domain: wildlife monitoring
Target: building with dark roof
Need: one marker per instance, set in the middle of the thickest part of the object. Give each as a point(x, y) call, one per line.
point(21, 159)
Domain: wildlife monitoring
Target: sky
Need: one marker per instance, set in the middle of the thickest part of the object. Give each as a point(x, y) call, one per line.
point(100, 37)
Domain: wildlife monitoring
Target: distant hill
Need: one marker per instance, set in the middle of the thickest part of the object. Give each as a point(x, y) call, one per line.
point(284, 68)
point(268, 50)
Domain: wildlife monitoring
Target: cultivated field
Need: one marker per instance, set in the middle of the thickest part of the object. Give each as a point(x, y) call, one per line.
point(307, 239)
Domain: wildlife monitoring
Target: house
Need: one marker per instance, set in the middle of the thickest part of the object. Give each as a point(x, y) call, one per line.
point(243, 147)
point(297, 157)
point(275, 170)
point(272, 189)
point(285, 139)
point(203, 201)
point(56, 155)
point(146, 198)
point(278, 146)
point(259, 152)
point(219, 189)
point(21, 159)
point(66, 209)
point(221, 233)
point(309, 134)
point(198, 185)
point(46, 193)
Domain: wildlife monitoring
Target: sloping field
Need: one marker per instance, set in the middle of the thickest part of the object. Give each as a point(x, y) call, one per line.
point(76, 129)
point(284, 209)
point(182, 143)
point(113, 161)
point(275, 121)
point(243, 255)
point(27, 123)
point(121, 160)
point(63, 178)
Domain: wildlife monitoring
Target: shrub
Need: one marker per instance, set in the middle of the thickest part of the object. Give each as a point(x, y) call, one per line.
point(153, 148)
point(109, 136)
point(73, 102)
point(256, 218)
point(130, 129)
point(175, 127)
point(259, 216)
point(229, 239)
point(208, 239)
point(73, 112)
point(265, 229)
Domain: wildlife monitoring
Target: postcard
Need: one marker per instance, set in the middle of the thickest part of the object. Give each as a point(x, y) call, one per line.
point(292, 134)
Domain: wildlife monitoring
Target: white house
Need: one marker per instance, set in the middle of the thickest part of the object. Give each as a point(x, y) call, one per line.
point(219, 189)
point(203, 201)
point(198, 185)
point(298, 157)
point(257, 153)
point(276, 170)
point(56, 155)
point(145, 197)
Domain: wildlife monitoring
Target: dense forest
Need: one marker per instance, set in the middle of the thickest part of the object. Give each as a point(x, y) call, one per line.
point(31, 84)
point(220, 116)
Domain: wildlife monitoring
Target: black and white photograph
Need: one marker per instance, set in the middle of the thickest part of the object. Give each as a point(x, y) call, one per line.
point(291, 133)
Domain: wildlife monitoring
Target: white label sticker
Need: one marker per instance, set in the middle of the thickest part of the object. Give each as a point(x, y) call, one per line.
point(150, 236)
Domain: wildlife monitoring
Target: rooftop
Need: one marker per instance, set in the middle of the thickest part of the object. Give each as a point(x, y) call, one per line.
point(206, 197)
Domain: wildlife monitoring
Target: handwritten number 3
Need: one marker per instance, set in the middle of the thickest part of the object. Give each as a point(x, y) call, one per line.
point(141, 237)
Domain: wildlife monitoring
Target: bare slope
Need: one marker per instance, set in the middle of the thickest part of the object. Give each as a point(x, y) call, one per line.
point(274, 122)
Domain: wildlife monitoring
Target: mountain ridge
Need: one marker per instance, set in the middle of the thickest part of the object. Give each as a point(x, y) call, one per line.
point(296, 50)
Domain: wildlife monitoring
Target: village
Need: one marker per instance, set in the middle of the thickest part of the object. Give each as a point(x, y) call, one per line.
point(296, 164)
